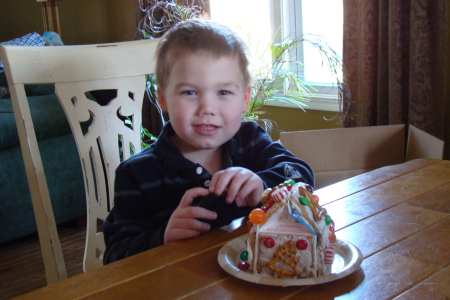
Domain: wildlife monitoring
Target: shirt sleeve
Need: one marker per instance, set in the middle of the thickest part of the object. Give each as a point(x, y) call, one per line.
point(275, 164)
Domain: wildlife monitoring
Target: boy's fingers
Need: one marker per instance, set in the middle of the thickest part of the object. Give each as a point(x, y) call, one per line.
point(191, 194)
point(251, 190)
point(203, 213)
point(242, 194)
point(188, 223)
point(213, 183)
point(237, 184)
point(221, 181)
point(187, 215)
point(192, 224)
point(217, 183)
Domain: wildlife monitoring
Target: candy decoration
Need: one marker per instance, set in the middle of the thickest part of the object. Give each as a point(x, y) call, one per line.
point(257, 216)
point(244, 255)
point(266, 195)
point(329, 254)
point(289, 182)
point(270, 203)
point(328, 220)
point(309, 188)
point(332, 238)
point(316, 198)
point(269, 242)
point(332, 235)
point(303, 201)
point(301, 244)
point(243, 266)
point(279, 194)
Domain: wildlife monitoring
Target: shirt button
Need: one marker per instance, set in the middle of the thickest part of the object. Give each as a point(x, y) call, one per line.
point(207, 183)
point(199, 170)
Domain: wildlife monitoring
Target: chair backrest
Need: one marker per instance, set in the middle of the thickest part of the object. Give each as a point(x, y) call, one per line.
point(106, 129)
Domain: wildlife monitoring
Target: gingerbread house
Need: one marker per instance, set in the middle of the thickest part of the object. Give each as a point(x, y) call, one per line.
point(295, 240)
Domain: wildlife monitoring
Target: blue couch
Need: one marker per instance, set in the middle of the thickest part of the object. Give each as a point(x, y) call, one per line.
point(60, 160)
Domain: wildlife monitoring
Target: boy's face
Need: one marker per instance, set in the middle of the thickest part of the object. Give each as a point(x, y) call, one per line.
point(205, 97)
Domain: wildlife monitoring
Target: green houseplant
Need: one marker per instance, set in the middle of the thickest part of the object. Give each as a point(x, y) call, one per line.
point(279, 79)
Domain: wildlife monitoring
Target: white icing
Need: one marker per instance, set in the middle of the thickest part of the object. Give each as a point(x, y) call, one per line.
point(250, 252)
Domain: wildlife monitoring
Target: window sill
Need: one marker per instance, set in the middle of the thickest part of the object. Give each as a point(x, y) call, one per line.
point(322, 102)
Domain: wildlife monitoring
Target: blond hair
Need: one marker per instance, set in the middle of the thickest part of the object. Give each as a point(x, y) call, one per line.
point(198, 36)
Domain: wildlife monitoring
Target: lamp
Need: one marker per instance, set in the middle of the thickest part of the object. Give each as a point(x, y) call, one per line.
point(50, 15)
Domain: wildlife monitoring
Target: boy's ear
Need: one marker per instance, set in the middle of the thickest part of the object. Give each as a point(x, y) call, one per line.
point(247, 98)
point(162, 100)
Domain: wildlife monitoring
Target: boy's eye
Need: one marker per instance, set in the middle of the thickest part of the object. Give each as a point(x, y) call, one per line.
point(223, 92)
point(188, 93)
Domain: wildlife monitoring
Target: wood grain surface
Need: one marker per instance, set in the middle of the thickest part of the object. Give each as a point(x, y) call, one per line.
point(398, 216)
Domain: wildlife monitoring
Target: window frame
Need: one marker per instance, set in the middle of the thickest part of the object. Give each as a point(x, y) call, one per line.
point(286, 18)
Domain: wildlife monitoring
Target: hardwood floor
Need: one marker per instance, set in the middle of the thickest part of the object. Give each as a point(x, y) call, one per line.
point(21, 265)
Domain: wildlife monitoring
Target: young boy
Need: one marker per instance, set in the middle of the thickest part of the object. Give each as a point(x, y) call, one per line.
point(204, 85)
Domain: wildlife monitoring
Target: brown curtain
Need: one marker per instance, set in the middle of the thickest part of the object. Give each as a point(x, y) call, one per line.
point(395, 54)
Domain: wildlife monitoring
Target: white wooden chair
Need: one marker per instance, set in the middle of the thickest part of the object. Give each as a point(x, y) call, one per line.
point(76, 71)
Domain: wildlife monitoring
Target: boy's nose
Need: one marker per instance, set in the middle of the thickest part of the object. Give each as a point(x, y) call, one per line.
point(206, 107)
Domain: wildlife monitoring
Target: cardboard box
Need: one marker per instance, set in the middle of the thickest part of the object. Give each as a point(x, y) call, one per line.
point(338, 154)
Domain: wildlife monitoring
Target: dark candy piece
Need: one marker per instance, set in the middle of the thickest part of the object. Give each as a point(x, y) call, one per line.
point(226, 213)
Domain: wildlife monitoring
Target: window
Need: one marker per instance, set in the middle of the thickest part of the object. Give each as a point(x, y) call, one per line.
point(262, 22)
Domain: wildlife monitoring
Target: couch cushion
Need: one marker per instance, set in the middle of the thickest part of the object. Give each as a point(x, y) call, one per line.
point(65, 182)
point(48, 118)
point(30, 89)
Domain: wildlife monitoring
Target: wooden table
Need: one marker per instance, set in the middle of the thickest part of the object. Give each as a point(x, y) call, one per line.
point(398, 216)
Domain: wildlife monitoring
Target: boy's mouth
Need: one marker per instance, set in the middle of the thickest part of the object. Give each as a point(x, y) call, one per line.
point(207, 127)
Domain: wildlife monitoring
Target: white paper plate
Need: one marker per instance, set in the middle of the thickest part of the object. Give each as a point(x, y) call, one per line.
point(347, 259)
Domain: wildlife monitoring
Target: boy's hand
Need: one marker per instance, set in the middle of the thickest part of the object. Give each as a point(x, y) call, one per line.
point(240, 184)
point(183, 223)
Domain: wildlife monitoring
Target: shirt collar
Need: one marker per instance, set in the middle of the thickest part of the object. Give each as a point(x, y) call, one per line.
point(172, 157)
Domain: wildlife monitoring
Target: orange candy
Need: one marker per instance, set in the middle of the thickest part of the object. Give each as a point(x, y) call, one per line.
point(257, 216)
point(316, 198)
point(331, 235)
